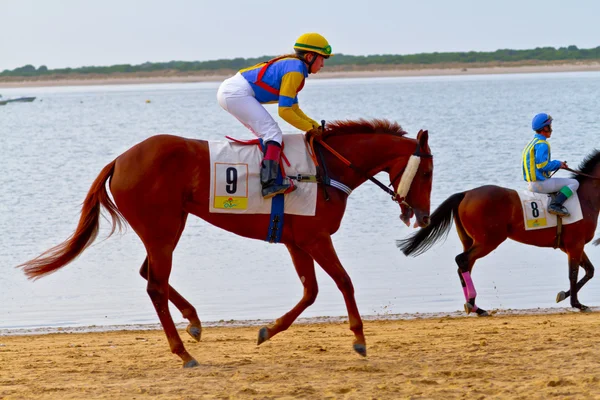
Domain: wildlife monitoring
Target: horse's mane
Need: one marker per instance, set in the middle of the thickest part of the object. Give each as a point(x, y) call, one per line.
point(363, 126)
point(588, 164)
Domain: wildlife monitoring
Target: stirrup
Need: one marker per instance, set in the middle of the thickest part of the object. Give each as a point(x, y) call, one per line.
point(274, 190)
point(560, 211)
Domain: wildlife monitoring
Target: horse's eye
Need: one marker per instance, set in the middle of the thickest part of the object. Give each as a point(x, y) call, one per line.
point(427, 174)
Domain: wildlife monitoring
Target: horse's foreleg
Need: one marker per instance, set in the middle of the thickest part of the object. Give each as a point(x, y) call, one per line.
point(188, 311)
point(323, 253)
point(305, 267)
point(589, 274)
point(159, 269)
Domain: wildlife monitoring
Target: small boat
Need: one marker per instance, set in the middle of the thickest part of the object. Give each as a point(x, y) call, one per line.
point(20, 100)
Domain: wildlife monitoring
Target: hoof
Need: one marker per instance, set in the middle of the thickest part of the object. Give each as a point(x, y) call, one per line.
point(195, 332)
point(585, 309)
point(360, 349)
point(561, 296)
point(482, 313)
point(263, 335)
point(468, 308)
point(191, 364)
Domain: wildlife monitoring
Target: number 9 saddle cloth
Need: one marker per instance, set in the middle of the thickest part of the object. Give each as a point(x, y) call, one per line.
point(235, 181)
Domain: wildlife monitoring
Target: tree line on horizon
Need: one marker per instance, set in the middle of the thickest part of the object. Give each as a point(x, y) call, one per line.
point(543, 54)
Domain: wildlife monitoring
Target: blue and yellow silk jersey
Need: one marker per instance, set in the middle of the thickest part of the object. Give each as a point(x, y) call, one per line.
point(536, 160)
point(285, 78)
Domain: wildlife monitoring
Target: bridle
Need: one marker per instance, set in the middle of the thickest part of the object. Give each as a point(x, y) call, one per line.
point(405, 181)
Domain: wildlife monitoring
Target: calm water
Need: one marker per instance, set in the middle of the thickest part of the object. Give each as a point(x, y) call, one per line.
point(52, 150)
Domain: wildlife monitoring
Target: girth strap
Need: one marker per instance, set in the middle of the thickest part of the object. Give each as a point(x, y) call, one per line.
point(558, 231)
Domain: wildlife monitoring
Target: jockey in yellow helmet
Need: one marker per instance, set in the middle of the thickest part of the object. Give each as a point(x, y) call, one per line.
point(276, 81)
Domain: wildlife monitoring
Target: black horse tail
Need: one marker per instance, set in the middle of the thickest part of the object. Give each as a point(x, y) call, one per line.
point(438, 228)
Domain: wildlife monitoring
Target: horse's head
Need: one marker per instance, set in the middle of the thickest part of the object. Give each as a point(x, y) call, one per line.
point(412, 182)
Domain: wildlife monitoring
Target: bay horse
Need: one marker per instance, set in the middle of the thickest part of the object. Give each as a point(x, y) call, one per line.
point(486, 216)
point(157, 183)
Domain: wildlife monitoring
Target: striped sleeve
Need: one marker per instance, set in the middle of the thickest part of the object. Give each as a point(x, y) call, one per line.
point(288, 102)
point(542, 159)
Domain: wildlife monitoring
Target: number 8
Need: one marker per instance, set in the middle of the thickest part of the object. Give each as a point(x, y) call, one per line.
point(534, 209)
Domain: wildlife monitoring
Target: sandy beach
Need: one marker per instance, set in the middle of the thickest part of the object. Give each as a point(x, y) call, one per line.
point(368, 71)
point(501, 357)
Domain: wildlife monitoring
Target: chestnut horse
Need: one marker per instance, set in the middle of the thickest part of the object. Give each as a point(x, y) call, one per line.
point(158, 182)
point(486, 216)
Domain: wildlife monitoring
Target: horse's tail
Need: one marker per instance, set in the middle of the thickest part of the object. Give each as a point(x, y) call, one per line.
point(86, 232)
point(438, 228)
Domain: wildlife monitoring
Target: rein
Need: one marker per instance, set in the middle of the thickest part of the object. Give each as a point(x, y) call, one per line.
point(394, 195)
point(355, 168)
point(581, 173)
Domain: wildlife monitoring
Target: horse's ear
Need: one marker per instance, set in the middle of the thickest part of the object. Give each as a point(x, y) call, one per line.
point(422, 138)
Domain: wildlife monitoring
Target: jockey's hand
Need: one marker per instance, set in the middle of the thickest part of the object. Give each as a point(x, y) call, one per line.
point(563, 165)
point(315, 132)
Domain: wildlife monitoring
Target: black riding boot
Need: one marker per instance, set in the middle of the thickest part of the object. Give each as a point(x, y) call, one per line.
point(268, 175)
point(556, 205)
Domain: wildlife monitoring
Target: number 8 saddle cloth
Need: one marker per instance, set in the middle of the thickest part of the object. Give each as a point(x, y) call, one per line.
point(535, 210)
point(235, 181)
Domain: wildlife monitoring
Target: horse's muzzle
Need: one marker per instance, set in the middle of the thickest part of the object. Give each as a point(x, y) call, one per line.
point(422, 219)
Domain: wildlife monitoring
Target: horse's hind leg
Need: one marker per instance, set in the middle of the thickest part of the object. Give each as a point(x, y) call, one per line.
point(466, 261)
point(575, 258)
point(464, 237)
point(160, 258)
point(160, 237)
point(305, 267)
point(194, 329)
point(188, 311)
point(467, 242)
point(589, 274)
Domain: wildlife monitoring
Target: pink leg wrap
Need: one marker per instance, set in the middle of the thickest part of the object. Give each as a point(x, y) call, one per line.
point(273, 152)
point(470, 288)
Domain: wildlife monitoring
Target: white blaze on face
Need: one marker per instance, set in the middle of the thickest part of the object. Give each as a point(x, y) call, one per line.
point(408, 176)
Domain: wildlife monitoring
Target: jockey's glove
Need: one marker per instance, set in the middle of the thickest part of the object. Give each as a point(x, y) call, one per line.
point(315, 132)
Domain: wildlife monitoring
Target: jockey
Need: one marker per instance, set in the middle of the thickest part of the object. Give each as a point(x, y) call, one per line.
point(276, 81)
point(537, 166)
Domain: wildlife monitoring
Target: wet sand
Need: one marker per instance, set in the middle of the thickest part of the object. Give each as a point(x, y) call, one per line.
point(504, 356)
point(379, 71)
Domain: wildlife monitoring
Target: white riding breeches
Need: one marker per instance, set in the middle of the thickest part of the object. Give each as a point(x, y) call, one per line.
point(236, 96)
point(552, 185)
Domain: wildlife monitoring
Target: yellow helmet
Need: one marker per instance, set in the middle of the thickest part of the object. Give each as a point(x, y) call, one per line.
point(315, 43)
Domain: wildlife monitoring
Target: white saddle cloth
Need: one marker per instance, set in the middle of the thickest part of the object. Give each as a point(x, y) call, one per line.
point(535, 210)
point(235, 178)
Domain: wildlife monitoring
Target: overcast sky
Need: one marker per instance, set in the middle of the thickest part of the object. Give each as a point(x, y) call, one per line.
point(75, 33)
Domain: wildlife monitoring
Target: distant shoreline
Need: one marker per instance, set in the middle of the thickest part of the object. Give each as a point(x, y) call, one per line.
point(372, 71)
